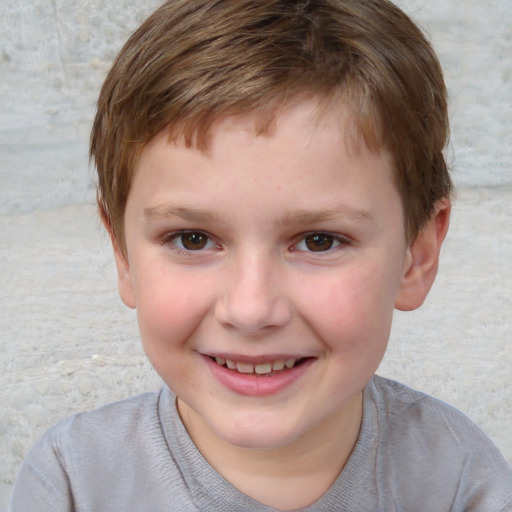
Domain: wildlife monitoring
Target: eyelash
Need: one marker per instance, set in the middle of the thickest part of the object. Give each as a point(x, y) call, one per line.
point(170, 239)
point(336, 241)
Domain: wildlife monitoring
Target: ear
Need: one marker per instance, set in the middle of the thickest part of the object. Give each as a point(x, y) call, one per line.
point(124, 278)
point(422, 259)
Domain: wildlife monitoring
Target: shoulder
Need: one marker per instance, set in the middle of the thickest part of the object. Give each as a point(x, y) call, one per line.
point(74, 460)
point(408, 410)
point(108, 426)
point(115, 420)
point(423, 440)
point(409, 415)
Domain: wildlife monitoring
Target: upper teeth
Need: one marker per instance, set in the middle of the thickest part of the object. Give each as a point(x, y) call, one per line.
point(260, 369)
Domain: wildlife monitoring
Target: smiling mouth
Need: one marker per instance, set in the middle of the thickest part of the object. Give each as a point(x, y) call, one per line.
point(264, 369)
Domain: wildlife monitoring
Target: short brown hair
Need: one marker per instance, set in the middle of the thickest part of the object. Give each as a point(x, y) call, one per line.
point(193, 61)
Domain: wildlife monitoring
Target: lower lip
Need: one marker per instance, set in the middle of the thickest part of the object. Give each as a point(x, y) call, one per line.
point(251, 384)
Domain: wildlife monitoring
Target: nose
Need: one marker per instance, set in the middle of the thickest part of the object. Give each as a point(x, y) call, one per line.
point(253, 301)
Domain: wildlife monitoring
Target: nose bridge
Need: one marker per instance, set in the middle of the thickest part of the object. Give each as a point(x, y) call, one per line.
point(253, 298)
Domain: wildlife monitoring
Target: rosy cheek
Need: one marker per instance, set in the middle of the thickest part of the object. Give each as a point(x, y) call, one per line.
point(347, 311)
point(160, 316)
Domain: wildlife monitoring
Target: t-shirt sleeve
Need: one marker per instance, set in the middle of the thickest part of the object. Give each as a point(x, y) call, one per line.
point(486, 483)
point(42, 484)
point(430, 456)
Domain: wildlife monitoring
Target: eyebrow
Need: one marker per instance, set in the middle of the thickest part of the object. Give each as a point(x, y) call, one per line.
point(315, 216)
point(169, 211)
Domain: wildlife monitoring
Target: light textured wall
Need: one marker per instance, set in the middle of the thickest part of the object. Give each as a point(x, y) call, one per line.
point(68, 344)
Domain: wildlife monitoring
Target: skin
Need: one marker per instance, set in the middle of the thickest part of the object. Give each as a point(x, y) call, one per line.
point(252, 289)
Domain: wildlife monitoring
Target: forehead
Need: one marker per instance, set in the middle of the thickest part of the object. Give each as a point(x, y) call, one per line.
point(307, 154)
point(335, 118)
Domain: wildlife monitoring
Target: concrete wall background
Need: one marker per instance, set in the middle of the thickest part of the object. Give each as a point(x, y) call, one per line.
point(67, 343)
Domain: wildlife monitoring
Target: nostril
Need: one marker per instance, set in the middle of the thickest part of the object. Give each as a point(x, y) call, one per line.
point(253, 305)
point(252, 316)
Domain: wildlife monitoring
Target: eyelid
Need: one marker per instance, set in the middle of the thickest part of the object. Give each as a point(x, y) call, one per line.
point(341, 239)
point(169, 237)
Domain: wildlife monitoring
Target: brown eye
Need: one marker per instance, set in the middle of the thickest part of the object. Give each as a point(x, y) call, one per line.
point(193, 241)
point(317, 242)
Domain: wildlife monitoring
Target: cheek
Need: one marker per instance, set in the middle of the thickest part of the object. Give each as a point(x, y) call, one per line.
point(167, 322)
point(353, 312)
point(170, 306)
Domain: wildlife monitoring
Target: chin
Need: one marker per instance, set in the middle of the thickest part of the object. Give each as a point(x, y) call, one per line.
point(260, 442)
point(259, 437)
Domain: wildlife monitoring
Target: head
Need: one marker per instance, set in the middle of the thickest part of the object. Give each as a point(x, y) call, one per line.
point(193, 62)
point(272, 177)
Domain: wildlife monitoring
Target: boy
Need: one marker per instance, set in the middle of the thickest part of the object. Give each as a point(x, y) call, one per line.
point(272, 178)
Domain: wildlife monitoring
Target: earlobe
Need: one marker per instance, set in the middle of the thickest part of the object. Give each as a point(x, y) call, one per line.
point(422, 259)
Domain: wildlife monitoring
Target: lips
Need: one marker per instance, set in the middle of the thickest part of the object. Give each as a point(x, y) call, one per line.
point(259, 377)
point(265, 368)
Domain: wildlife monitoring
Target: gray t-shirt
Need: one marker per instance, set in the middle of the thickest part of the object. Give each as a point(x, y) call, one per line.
point(414, 453)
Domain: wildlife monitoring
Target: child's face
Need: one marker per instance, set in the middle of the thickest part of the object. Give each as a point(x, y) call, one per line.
point(264, 251)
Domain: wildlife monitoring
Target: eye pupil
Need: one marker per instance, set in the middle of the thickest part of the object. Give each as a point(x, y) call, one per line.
point(194, 241)
point(319, 242)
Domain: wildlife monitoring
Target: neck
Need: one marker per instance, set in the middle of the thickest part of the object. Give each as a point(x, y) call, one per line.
point(288, 477)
